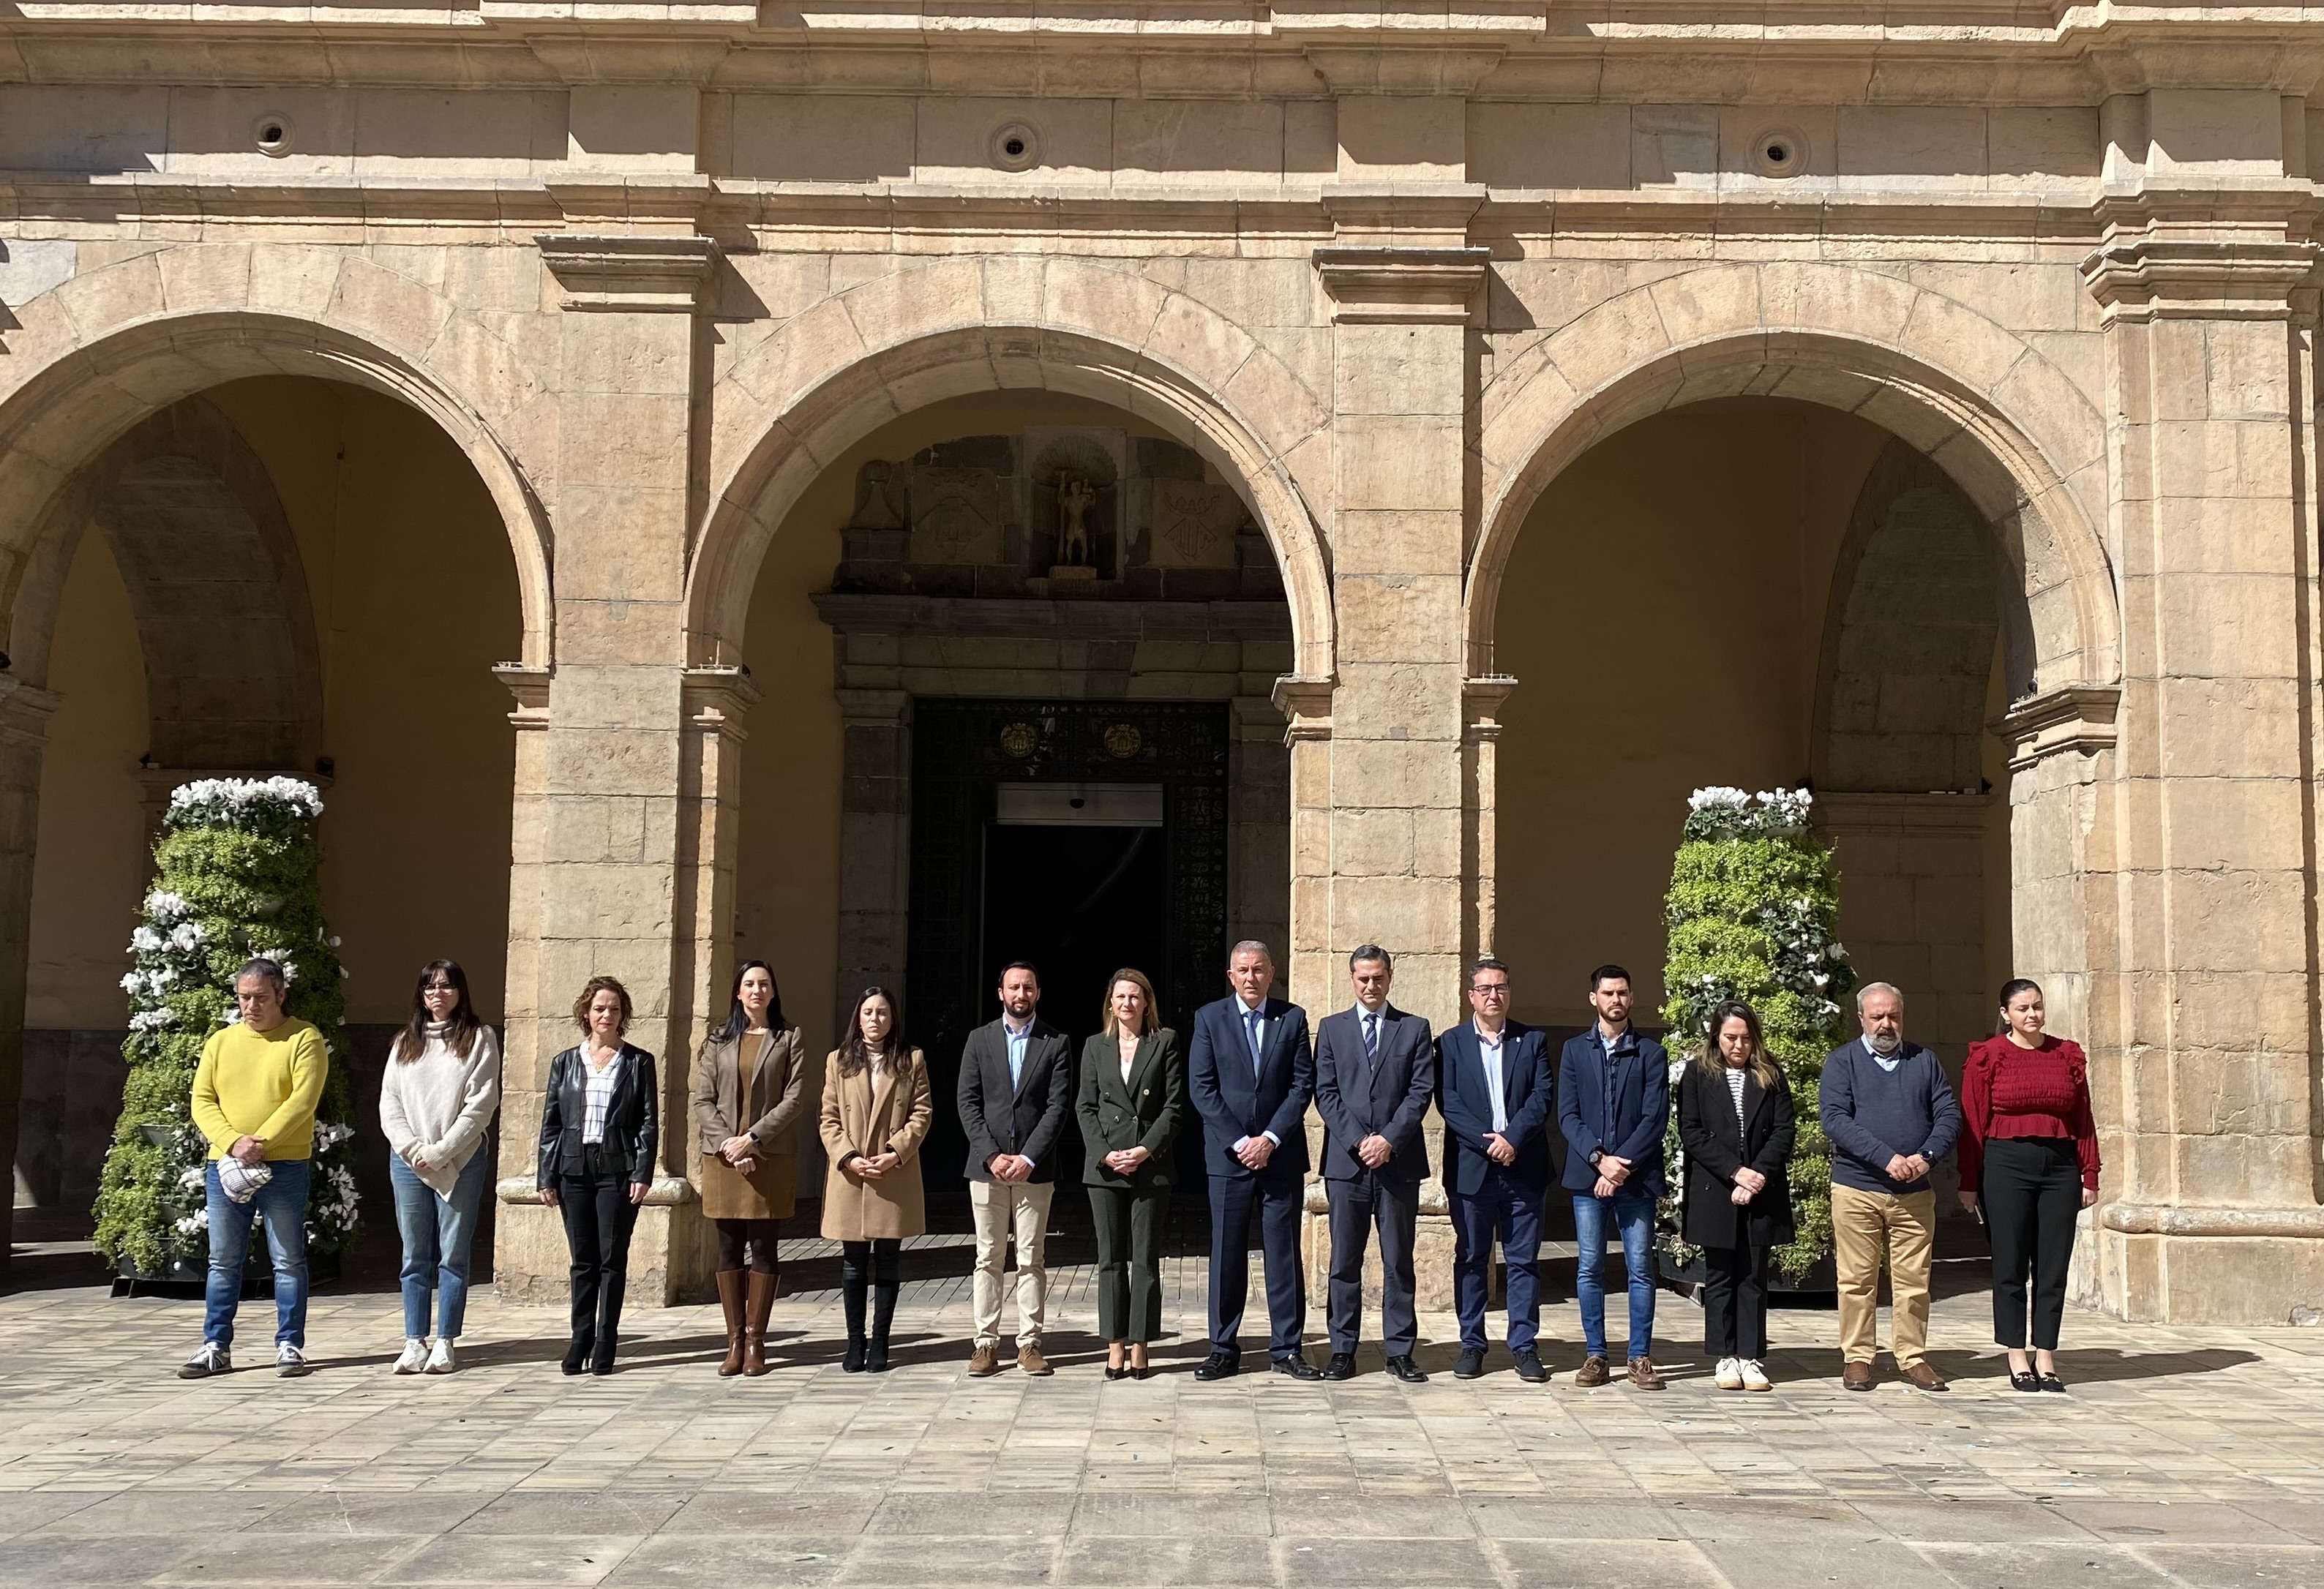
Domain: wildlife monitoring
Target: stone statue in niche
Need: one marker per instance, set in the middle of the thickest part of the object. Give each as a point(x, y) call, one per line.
point(1074, 498)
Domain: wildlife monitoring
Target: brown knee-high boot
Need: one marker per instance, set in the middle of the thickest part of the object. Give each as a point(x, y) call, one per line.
point(730, 1301)
point(754, 1329)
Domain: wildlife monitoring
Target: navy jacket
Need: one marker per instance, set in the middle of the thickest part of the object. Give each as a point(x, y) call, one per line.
point(1468, 1108)
point(1358, 1096)
point(1233, 1103)
point(1627, 1121)
point(1871, 1114)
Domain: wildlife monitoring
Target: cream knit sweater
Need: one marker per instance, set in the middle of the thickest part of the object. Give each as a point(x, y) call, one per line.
point(437, 1107)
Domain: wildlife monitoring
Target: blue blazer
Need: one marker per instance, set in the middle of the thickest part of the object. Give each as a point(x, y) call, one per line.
point(1233, 1103)
point(1358, 1097)
point(1628, 1123)
point(1468, 1108)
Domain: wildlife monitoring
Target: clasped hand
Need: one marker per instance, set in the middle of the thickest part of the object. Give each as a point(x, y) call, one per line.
point(1374, 1150)
point(741, 1152)
point(1010, 1167)
point(1497, 1149)
point(1907, 1167)
point(872, 1166)
point(1256, 1152)
point(1126, 1160)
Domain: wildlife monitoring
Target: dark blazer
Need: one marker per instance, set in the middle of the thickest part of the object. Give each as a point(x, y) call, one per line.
point(632, 1117)
point(1468, 1108)
point(1627, 1122)
point(1718, 1144)
point(1025, 1119)
point(1233, 1103)
point(1358, 1096)
point(1146, 1111)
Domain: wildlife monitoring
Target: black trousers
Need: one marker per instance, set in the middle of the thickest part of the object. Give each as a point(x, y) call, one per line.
point(598, 1219)
point(1275, 1199)
point(1359, 1207)
point(2032, 1191)
point(1734, 1301)
point(760, 1233)
point(1130, 1226)
point(872, 1263)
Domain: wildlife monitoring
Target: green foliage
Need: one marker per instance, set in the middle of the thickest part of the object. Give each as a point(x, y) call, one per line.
point(1753, 905)
point(236, 875)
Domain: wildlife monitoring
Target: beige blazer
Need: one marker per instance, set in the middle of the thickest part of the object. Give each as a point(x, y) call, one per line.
point(771, 1115)
point(872, 1113)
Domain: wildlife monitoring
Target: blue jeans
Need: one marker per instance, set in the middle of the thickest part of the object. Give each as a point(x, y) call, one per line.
point(437, 1233)
point(1633, 1214)
point(282, 1203)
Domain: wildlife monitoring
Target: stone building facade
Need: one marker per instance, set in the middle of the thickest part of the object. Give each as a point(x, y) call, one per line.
point(1318, 370)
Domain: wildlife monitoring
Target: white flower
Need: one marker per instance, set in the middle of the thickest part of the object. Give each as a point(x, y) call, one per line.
point(146, 940)
point(165, 906)
point(132, 981)
point(192, 1180)
point(1715, 794)
point(155, 1020)
point(236, 796)
point(187, 936)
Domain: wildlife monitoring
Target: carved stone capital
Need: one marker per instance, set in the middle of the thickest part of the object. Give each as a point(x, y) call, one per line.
point(2202, 256)
point(1428, 286)
point(715, 700)
point(529, 685)
point(2077, 718)
point(629, 273)
point(1306, 703)
point(1481, 706)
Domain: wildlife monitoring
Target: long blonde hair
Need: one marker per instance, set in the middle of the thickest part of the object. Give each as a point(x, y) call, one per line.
point(1152, 1021)
point(1714, 1062)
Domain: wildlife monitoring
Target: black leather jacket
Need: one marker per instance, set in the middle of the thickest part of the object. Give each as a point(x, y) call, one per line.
point(632, 1126)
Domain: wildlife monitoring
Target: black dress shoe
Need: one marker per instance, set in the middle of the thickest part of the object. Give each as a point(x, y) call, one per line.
point(1529, 1366)
point(1145, 1372)
point(1472, 1365)
point(1218, 1365)
point(2028, 1381)
point(1296, 1366)
point(1342, 1366)
point(2051, 1382)
point(1117, 1374)
point(1406, 1370)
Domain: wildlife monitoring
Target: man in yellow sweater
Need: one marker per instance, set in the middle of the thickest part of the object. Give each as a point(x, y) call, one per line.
point(255, 1097)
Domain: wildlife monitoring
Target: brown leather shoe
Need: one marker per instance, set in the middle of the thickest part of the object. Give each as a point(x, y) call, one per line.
point(1645, 1375)
point(1856, 1376)
point(1921, 1376)
point(983, 1362)
point(1030, 1359)
point(1591, 1373)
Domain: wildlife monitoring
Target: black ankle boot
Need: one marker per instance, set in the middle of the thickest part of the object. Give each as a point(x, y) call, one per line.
point(577, 1353)
point(883, 1314)
point(852, 1289)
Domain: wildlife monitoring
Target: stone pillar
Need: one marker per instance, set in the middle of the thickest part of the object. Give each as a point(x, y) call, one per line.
point(24, 713)
point(636, 763)
point(875, 843)
point(1480, 739)
point(1258, 858)
point(2203, 1024)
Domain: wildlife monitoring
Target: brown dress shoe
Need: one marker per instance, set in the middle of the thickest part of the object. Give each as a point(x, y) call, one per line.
point(1856, 1376)
point(1030, 1359)
point(983, 1362)
point(1592, 1371)
point(1921, 1376)
point(1645, 1375)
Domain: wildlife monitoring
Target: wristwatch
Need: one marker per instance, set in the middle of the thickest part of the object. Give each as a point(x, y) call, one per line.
point(1596, 1154)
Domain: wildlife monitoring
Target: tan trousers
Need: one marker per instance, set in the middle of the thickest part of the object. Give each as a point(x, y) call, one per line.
point(1867, 1226)
point(1001, 1208)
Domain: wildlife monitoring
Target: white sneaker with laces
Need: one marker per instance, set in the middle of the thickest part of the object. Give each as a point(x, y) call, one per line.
point(290, 1363)
point(1731, 1374)
point(439, 1360)
point(1754, 1377)
point(415, 1355)
point(211, 1359)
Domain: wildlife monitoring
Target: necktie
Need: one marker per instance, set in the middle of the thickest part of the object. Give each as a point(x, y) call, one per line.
point(1252, 1018)
point(1371, 1034)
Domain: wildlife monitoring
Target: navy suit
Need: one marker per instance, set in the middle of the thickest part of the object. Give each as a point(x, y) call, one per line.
point(1361, 1095)
point(1238, 1096)
point(1489, 1200)
point(1614, 1102)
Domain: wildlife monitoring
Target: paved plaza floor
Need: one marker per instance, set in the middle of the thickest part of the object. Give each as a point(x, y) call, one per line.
point(2181, 1456)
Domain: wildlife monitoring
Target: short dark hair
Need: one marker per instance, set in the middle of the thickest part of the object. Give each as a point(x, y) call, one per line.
point(269, 970)
point(1025, 966)
point(1485, 963)
point(1370, 952)
point(1608, 972)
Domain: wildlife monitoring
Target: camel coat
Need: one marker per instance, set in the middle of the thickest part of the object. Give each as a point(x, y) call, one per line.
point(873, 1112)
point(769, 1116)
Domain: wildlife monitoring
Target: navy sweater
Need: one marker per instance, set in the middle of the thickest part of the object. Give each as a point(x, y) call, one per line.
point(1873, 1114)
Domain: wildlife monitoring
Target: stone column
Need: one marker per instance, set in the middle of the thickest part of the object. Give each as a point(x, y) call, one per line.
point(636, 764)
point(24, 713)
point(875, 841)
point(2203, 1026)
point(1259, 859)
point(1480, 739)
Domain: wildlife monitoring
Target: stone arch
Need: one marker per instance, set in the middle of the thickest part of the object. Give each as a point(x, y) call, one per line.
point(2022, 442)
point(105, 351)
point(834, 374)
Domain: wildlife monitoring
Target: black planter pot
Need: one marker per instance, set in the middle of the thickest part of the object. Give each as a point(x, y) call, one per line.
point(1818, 1288)
point(187, 1278)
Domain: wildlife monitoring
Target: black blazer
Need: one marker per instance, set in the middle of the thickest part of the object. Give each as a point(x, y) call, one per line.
point(1025, 1119)
point(1144, 1112)
point(1718, 1144)
point(1234, 1102)
point(633, 1117)
point(1358, 1096)
point(1467, 1106)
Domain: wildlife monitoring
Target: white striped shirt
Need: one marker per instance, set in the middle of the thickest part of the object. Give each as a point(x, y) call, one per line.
point(597, 1094)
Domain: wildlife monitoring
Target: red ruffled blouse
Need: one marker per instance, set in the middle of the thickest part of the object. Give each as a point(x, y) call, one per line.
point(2009, 1091)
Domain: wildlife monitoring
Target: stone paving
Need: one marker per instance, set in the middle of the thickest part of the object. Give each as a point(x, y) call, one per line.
point(2182, 1455)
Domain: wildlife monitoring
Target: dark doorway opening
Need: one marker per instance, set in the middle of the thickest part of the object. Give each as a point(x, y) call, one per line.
point(1078, 903)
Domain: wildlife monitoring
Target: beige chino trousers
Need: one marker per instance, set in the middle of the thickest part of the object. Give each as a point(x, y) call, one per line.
point(1866, 1228)
point(1003, 1209)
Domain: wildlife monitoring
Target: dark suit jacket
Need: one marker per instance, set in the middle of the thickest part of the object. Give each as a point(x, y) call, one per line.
point(1026, 1118)
point(1146, 1111)
point(1718, 1144)
point(1627, 1122)
point(1233, 1103)
point(1359, 1096)
point(633, 1117)
point(1468, 1108)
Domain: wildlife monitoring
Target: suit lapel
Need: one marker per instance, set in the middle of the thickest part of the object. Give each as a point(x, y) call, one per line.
point(1146, 1046)
point(1036, 1043)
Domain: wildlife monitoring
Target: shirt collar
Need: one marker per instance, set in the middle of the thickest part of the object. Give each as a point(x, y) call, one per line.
point(1489, 1039)
point(1244, 1012)
point(1381, 1014)
point(1629, 1034)
point(1012, 1029)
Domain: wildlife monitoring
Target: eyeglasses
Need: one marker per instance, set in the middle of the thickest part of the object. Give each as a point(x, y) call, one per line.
point(1492, 991)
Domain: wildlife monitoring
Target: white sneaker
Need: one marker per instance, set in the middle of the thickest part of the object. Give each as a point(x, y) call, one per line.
point(290, 1363)
point(415, 1355)
point(1731, 1374)
point(439, 1360)
point(1754, 1377)
point(211, 1359)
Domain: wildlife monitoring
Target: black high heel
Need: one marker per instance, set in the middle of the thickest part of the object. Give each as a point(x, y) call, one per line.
point(1112, 1373)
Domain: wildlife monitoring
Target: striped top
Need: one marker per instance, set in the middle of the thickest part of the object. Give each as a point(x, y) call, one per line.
point(597, 1094)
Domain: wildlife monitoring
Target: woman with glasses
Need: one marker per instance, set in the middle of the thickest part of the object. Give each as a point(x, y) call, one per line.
point(1736, 1123)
